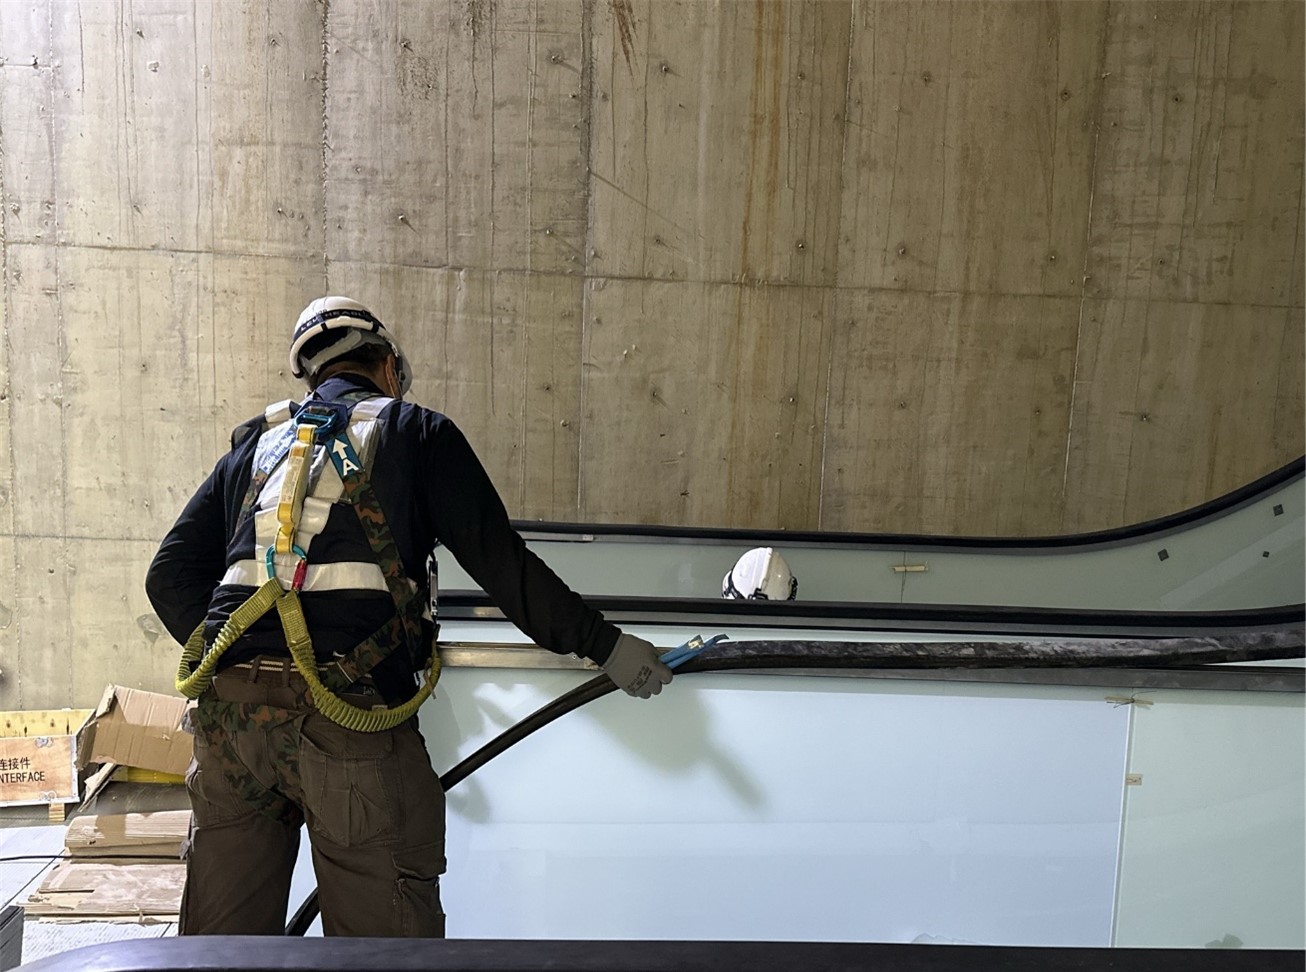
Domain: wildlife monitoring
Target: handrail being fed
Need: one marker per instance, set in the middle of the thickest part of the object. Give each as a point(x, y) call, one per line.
point(698, 656)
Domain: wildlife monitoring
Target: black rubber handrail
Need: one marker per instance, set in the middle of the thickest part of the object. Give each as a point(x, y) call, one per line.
point(1211, 509)
point(965, 618)
point(253, 953)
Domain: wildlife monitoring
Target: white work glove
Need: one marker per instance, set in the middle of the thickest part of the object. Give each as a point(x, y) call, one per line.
point(635, 667)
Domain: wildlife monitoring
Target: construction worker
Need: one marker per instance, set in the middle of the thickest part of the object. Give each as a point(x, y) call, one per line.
point(760, 574)
point(327, 511)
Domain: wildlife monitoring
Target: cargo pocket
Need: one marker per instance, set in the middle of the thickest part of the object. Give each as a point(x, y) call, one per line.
point(417, 890)
point(214, 766)
point(345, 796)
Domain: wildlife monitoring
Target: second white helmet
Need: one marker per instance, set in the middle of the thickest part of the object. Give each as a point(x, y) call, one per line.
point(358, 327)
point(761, 574)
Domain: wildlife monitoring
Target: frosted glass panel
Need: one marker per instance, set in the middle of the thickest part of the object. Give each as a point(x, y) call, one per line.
point(784, 808)
point(1215, 836)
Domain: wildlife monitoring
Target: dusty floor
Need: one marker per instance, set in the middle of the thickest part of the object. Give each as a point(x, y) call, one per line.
point(30, 844)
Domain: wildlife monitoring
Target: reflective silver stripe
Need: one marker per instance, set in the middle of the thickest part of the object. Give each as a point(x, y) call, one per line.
point(344, 576)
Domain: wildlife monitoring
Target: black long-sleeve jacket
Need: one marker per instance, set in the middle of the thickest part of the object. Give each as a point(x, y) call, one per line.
point(433, 490)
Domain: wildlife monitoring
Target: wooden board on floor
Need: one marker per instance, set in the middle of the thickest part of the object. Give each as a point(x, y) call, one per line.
point(106, 890)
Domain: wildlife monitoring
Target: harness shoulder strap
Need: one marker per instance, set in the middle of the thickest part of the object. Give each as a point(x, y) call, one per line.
point(406, 627)
point(271, 450)
point(278, 412)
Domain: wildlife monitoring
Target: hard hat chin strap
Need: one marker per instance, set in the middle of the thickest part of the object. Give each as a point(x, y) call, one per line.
point(402, 371)
point(733, 591)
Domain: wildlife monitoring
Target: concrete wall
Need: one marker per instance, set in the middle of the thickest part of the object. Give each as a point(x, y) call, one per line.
point(981, 268)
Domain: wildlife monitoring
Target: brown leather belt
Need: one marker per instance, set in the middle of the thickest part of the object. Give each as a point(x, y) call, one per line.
point(264, 668)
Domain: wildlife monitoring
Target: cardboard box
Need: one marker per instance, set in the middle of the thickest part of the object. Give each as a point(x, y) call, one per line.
point(159, 834)
point(131, 727)
point(38, 756)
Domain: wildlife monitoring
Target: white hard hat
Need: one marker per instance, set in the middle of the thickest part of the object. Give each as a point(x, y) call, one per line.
point(761, 574)
point(359, 327)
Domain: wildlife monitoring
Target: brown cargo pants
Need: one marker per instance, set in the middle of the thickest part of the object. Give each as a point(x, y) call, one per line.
point(265, 762)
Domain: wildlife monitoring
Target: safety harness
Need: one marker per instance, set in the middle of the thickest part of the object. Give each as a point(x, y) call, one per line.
point(321, 425)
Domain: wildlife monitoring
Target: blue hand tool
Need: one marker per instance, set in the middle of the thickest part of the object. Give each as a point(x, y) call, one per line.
point(690, 649)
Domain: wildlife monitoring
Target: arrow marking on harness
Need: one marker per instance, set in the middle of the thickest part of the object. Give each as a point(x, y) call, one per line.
point(341, 450)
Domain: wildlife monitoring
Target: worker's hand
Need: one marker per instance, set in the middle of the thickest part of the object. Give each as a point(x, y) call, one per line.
point(635, 667)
